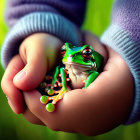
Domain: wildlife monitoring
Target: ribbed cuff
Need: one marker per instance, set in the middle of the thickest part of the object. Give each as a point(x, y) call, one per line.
point(120, 41)
point(38, 22)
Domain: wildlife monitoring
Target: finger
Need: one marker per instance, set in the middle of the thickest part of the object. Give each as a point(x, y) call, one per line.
point(36, 66)
point(32, 100)
point(55, 120)
point(29, 116)
point(15, 98)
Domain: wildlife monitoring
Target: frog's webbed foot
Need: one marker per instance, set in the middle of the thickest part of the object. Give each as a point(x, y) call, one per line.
point(58, 97)
point(57, 89)
point(51, 101)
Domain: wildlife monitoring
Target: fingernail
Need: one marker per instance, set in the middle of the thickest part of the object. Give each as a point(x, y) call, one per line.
point(20, 75)
point(11, 104)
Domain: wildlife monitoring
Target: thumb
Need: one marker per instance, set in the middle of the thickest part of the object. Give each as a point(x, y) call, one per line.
point(35, 69)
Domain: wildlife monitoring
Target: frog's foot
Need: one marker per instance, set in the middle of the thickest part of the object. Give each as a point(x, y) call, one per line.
point(50, 107)
point(59, 96)
point(44, 99)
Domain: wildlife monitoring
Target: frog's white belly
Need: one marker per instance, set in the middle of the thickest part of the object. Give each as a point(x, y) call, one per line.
point(77, 75)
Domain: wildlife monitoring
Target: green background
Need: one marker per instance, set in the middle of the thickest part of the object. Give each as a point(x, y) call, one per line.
point(16, 127)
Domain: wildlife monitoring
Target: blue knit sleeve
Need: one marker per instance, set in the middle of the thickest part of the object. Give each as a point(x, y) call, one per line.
point(61, 18)
point(38, 22)
point(123, 35)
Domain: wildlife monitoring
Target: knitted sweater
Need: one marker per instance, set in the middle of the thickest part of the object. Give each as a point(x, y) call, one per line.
point(26, 17)
point(123, 35)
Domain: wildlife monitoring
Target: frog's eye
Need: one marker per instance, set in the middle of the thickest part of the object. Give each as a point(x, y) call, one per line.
point(87, 53)
point(63, 50)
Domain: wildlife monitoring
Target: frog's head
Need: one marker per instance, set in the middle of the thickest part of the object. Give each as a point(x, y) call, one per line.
point(82, 56)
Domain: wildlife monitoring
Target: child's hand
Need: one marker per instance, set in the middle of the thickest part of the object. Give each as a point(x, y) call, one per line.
point(105, 104)
point(102, 106)
point(37, 54)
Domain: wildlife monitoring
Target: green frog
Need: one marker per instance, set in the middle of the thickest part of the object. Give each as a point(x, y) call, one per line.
point(80, 67)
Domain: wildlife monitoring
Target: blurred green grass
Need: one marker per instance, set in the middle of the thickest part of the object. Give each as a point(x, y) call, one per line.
point(16, 127)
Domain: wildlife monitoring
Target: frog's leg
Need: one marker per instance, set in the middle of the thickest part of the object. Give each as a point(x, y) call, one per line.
point(50, 107)
point(64, 87)
point(91, 78)
point(56, 72)
point(45, 99)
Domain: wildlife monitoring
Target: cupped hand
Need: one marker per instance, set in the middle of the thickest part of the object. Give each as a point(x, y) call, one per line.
point(104, 105)
point(37, 55)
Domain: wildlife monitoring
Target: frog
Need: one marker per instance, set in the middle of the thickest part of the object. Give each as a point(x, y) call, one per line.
point(80, 67)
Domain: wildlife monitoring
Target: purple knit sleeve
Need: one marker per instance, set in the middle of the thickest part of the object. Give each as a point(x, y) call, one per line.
point(126, 14)
point(70, 9)
point(123, 35)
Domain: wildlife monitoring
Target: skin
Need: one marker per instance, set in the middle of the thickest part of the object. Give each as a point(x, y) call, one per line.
point(104, 105)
